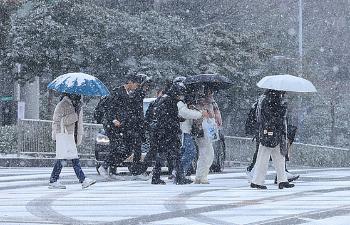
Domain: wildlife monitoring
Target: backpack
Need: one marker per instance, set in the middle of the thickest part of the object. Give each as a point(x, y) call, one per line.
point(251, 125)
point(152, 113)
point(100, 110)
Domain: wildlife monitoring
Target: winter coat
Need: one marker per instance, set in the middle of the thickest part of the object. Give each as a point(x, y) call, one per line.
point(66, 111)
point(127, 109)
point(272, 114)
point(168, 121)
point(189, 115)
point(165, 125)
point(207, 104)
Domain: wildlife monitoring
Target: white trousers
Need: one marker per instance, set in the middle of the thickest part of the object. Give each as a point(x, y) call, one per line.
point(205, 158)
point(262, 164)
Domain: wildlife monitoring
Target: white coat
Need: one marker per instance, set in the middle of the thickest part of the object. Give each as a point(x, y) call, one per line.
point(189, 115)
point(65, 111)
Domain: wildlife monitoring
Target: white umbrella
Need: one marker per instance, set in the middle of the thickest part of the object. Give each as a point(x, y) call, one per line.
point(286, 83)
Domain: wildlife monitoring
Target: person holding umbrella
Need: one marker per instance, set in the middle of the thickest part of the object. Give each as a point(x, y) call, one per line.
point(67, 131)
point(272, 130)
point(205, 144)
point(271, 116)
point(67, 126)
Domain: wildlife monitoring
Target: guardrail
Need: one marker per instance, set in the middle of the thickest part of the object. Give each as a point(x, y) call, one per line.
point(242, 149)
point(34, 136)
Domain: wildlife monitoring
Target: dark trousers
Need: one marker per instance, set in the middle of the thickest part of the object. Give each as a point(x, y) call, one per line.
point(165, 147)
point(118, 152)
point(58, 168)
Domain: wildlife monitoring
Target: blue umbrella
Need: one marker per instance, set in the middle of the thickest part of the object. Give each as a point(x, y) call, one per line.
point(79, 83)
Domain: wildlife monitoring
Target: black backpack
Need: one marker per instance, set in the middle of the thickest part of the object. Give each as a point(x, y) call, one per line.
point(251, 125)
point(152, 114)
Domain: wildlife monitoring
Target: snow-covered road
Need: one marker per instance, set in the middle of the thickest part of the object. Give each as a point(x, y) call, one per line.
point(321, 196)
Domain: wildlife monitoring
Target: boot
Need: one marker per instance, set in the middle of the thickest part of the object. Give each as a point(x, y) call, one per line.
point(257, 186)
point(292, 177)
point(285, 185)
point(184, 181)
point(158, 181)
point(181, 179)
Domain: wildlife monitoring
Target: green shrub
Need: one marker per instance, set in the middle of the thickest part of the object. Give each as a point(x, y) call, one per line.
point(8, 139)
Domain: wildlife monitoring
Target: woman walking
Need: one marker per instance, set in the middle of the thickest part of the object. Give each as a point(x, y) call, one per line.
point(271, 116)
point(67, 131)
point(205, 145)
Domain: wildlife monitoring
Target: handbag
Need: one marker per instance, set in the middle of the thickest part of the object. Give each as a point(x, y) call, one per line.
point(197, 130)
point(66, 147)
point(210, 129)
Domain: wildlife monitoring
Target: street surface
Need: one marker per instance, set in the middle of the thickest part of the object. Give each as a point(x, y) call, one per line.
point(321, 196)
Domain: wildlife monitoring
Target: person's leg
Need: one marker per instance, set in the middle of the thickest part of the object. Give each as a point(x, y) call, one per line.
point(136, 146)
point(170, 163)
point(279, 163)
point(261, 165)
point(188, 153)
point(55, 174)
point(251, 166)
point(205, 159)
point(156, 171)
point(78, 171)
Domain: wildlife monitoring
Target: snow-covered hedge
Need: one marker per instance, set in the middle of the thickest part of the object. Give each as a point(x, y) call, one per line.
point(8, 139)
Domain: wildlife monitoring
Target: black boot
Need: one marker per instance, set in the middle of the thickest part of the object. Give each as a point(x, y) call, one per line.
point(293, 178)
point(158, 181)
point(184, 181)
point(252, 185)
point(181, 179)
point(285, 185)
point(289, 179)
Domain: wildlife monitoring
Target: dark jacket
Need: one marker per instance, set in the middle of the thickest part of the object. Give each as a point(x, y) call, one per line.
point(166, 114)
point(126, 108)
point(272, 121)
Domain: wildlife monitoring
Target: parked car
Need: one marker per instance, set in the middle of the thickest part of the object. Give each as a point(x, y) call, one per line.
point(102, 143)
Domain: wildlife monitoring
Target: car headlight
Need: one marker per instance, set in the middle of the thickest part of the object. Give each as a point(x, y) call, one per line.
point(102, 139)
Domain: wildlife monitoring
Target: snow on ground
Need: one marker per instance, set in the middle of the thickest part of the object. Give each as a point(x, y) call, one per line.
point(321, 196)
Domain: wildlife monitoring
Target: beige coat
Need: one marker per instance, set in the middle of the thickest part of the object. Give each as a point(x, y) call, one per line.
point(65, 109)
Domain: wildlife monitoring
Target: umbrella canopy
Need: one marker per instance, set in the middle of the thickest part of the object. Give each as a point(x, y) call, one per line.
point(286, 83)
point(79, 83)
point(213, 81)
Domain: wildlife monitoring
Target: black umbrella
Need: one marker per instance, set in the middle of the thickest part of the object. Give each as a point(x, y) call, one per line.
point(213, 81)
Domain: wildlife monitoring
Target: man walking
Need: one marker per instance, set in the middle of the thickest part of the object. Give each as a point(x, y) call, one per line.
point(123, 123)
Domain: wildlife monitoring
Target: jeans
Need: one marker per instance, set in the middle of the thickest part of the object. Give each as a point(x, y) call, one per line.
point(59, 165)
point(188, 152)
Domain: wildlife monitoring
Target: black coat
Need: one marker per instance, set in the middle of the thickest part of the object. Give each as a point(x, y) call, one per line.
point(272, 121)
point(166, 131)
point(127, 109)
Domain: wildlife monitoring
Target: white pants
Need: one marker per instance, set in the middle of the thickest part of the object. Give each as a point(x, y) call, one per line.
point(262, 164)
point(205, 158)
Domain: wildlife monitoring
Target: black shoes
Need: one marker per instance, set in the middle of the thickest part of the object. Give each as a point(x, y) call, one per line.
point(291, 177)
point(252, 185)
point(285, 185)
point(158, 181)
point(183, 181)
